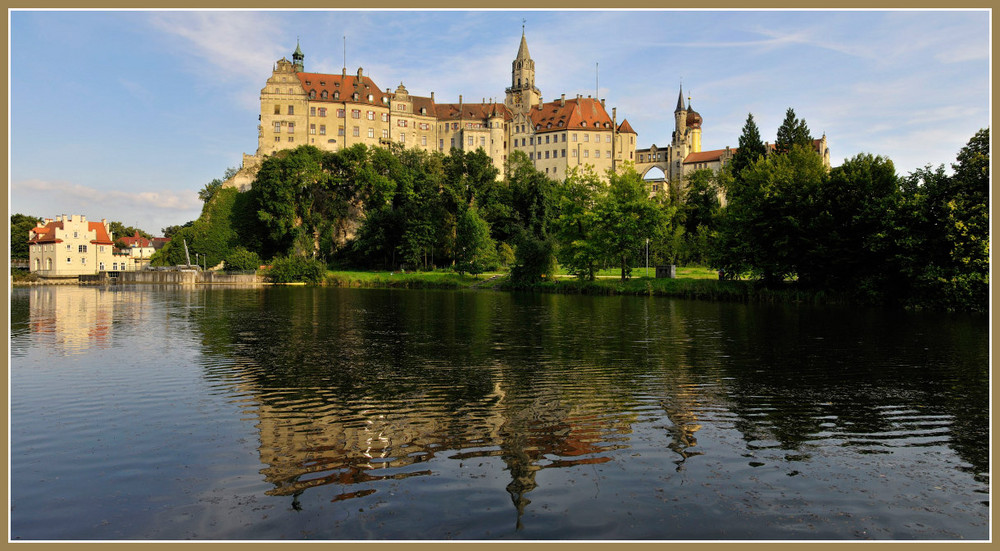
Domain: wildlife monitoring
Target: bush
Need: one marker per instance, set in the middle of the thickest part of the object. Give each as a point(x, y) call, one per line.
point(534, 261)
point(292, 269)
point(242, 260)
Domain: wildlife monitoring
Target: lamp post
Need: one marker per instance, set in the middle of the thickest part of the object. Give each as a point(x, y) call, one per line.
point(647, 257)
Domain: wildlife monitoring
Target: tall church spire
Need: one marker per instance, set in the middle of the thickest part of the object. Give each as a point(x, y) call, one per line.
point(522, 51)
point(680, 100)
point(522, 94)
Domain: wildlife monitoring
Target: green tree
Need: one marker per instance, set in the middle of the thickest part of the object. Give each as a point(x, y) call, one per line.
point(699, 214)
point(20, 226)
point(792, 132)
point(751, 147)
point(242, 260)
point(766, 229)
point(475, 250)
point(169, 231)
point(578, 250)
point(625, 217)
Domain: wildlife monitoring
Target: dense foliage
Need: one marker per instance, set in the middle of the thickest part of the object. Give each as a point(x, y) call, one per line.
point(20, 226)
point(780, 218)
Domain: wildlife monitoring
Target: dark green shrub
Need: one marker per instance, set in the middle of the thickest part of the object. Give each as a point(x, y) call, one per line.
point(292, 269)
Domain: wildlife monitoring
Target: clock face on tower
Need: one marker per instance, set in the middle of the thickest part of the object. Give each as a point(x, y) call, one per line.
point(517, 97)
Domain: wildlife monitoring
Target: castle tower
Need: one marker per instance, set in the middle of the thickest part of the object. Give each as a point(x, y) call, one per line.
point(298, 59)
point(522, 94)
point(693, 123)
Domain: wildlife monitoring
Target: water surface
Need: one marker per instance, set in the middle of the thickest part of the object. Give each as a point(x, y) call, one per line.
point(314, 413)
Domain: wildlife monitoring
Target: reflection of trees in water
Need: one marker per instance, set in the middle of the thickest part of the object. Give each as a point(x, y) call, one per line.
point(356, 387)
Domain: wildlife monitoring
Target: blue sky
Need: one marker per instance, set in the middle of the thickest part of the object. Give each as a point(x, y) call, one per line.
point(125, 115)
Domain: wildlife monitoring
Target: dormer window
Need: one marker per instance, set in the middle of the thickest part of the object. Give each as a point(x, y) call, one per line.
point(584, 123)
point(308, 83)
point(370, 97)
point(355, 96)
point(322, 83)
point(323, 94)
point(336, 95)
point(312, 94)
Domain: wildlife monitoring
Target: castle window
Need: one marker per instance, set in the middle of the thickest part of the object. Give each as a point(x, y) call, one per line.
point(277, 126)
point(385, 117)
point(291, 138)
point(312, 111)
point(597, 153)
point(482, 141)
point(531, 155)
point(547, 138)
point(546, 154)
point(291, 109)
point(586, 153)
point(312, 128)
point(564, 138)
point(385, 133)
point(441, 144)
point(371, 115)
point(340, 130)
point(341, 113)
point(586, 137)
point(371, 132)
point(563, 153)
point(291, 127)
point(573, 153)
point(531, 140)
point(402, 137)
point(322, 111)
point(277, 138)
point(472, 141)
point(355, 113)
point(574, 137)
point(322, 130)
point(356, 131)
point(81, 249)
point(277, 109)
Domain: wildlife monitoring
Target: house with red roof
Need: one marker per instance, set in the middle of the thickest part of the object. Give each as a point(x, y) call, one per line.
point(138, 252)
point(70, 246)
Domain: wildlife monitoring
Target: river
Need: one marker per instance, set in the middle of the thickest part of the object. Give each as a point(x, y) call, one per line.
point(163, 413)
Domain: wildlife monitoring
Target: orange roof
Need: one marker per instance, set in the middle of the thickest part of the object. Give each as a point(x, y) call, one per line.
point(345, 85)
point(706, 156)
point(576, 114)
point(46, 233)
point(625, 128)
point(102, 233)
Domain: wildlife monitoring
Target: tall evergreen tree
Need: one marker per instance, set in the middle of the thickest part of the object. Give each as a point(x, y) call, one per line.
point(792, 132)
point(751, 146)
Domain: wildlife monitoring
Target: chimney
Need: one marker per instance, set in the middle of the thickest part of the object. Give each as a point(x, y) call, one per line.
point(344, 72)
point(83, 218)
point(578, 96)
point(432, 96)
point(360, 73)
point(602, 102)
point(460, 99)
point(562, 101)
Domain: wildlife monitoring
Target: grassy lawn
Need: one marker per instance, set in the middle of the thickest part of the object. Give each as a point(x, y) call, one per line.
point(683, 272)
point(414, 280)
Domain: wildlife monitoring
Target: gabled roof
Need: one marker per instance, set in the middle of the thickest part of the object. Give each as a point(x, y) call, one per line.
point(625, 128)
point(136, 241)
point(346, 85)
point(477, 111)
point(576, 114)
point(47, 233)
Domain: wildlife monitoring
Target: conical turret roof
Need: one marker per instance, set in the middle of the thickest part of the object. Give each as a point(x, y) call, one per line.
point(680, 100)
point(522, 51)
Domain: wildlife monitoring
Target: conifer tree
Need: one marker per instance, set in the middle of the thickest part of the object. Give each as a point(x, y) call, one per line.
point(792, 132)
point(751, 147)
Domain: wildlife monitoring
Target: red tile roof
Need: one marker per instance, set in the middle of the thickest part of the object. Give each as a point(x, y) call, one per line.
point(103, 238)
point(625, 128)
point(136, 241)
point(575, 114)
point(706, 156)
point(346, 85)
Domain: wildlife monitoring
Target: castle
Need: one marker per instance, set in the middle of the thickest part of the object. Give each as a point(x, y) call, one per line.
point(333, 112)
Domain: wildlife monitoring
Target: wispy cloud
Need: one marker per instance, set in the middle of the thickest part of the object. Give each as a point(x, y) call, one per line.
point(76, 196)
point(232, 45)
